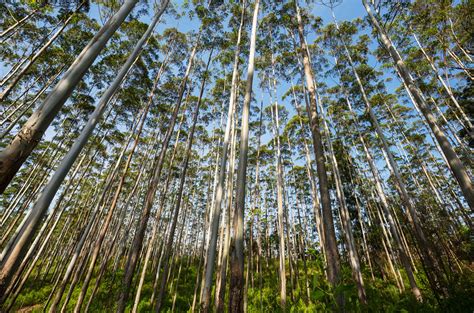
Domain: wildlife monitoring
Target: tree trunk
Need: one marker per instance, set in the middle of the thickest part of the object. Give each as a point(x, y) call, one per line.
point(33, 58)
point(345, 218)
point(118, 191)
point(423, 242)
point(332, 255)
point(15, 154)
point(17, 24)
point(177, 207)
point(37, 212)
point(446, 88)
point(211, 252)
point(150, 194)
point(455, 163)
point(221, 285)
point(237, 256)
point(309, 171)
point(280, 202)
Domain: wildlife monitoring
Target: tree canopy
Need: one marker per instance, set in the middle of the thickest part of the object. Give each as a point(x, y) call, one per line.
point(236, 156)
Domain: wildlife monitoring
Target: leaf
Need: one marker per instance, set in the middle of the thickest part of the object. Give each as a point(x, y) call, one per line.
point(344, 288)
point(318, 294)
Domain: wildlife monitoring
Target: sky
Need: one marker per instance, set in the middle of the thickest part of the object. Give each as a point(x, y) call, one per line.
point(347, 10)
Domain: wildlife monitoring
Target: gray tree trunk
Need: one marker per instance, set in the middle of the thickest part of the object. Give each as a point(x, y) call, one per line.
point(332, 254)
point(33, 58)
point(236, 291)
point(14, 155)
point(455, 163)
point(33, 219)
point(150, 194)
point(177, 206)
point(214, 222)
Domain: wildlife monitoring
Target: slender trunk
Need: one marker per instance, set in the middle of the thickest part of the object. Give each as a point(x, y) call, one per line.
point(455, 163)
point(180, 193)
point(345, 218)
point(17, 286)
point(394, 231)
point(221, 284)
point(164, 196)
point(309, 172)
point(280, 204)
point(211, 252)
point(15, 154)
point(196, 284)
point(120, 218)
point(424, 244)
point(34, 218)
point(210, 207)
point(92, 221)
point(118, 191)
point(52, 227)
point(33, 58)
point(17, 24)
point(445, 86)
point(150, 194)
point(155, 226)
point(462, 66)
point(237, 256)
point(28, 106)
point(332, 255)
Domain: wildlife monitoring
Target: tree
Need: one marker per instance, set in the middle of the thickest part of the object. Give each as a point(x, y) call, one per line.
point(237, 254)
point(15, 154)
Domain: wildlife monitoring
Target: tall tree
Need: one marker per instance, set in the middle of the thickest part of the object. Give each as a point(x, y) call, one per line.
point(455, 164)
point(31, 223)
point(236, 292)
point(211, 252)
point(14, 155)
point(332, 254)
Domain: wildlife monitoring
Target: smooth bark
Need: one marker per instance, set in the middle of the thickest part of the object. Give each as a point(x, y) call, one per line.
point(236, 292)
point(15, 154)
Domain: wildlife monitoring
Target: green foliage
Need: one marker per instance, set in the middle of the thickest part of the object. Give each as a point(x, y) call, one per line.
point(263, 292)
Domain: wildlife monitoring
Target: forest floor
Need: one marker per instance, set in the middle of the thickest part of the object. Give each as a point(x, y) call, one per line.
point(263, 292)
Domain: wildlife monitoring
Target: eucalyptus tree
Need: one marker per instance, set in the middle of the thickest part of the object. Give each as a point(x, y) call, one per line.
point(37, 53)
point(176, 210)
point(332, 254)
point(423, 241)
point(344, 214)
point(221, 278)
point(457, 167)
point(211, 253)
point(14, 155)
point(44, 72)
point(385, 205)
point(271, 71)
point(129, 216)
point(32, 221)
point(170, 34)
point(236, 294)
point(150, 195)
point(303, 132)
point(18, 23)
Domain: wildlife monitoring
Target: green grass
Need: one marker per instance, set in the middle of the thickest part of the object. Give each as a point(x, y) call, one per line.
point(382, 295)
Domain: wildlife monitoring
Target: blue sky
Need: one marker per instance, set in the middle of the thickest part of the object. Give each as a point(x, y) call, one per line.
point(347, 10)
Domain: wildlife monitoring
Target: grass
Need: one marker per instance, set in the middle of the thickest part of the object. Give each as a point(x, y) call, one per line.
point(263, 293)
